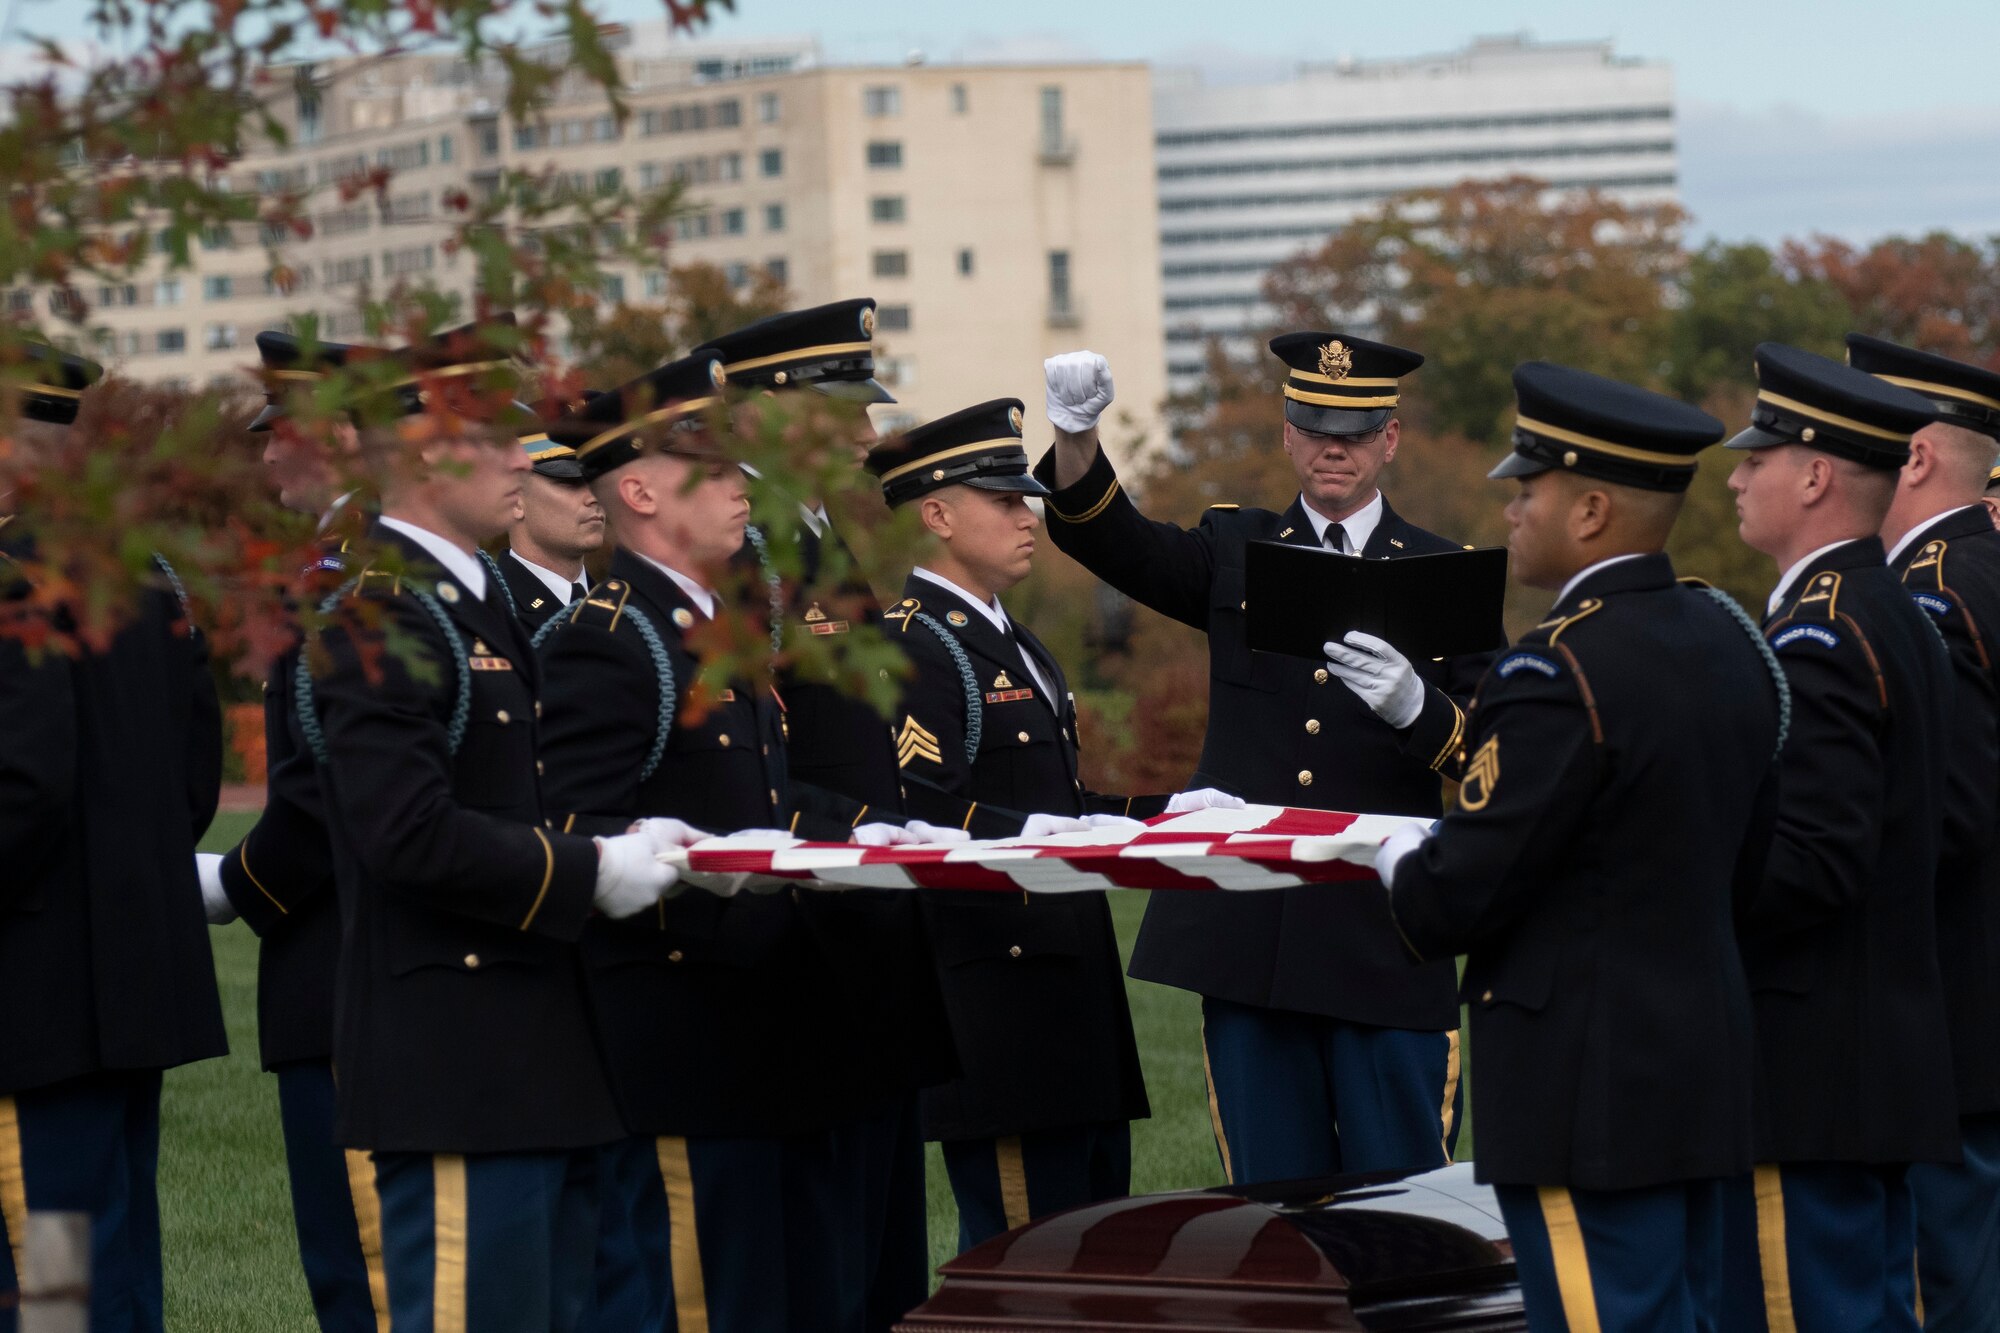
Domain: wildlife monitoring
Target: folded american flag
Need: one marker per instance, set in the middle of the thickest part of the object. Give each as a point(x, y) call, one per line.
point(1258, 847)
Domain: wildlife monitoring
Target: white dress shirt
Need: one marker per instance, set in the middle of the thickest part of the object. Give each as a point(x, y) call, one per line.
point(996, 613)
point(1778, 593)
point(562, 588)
point(1587, 571)
point(703, 599)
point(461, 564)
point(1359, 525)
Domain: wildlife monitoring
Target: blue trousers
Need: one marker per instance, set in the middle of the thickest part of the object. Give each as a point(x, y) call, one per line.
point(1001, 1184)
point(89, 1145)
point(1958, 1233)
point(1297, 1096)
point(334, 1207)
point(1620, 1261)
point(494, 1242)
point(1827, 1247)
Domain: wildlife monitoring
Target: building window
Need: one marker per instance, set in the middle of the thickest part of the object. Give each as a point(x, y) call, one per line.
point(882, 101)
point(525, 137)
point(893, 318)
point(738, 275)
point(771, 162)
point(649, 176)
point(167, 291)
point(768, 107)
point(170, 342)
point(774, 217)
point(898, 372)
point(129, 342)
point(125, 295)
point(1052, 120)
point(489, 138)
point(779, 270)
point(20, 301)
point(729, 167)
point(965, 263)
point(1061, 306)
point(444, 148)
point(692, 226)
point(885, 153)
point(605, 128)
point(309, 114)
point(892, 263)
point(219, 337)
point(218, 288)
point(608, 180)
point(959, 101)
point(614, 288)
point(732, 222)
point(886, 208)
point(656, 285)
point(728, 114)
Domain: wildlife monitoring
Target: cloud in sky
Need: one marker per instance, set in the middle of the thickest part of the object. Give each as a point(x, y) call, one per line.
point(1781, 172)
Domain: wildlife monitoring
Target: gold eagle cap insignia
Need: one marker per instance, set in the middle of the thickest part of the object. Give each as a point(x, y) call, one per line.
point(1335, 360)
point(1014, 419)
point(868, 321)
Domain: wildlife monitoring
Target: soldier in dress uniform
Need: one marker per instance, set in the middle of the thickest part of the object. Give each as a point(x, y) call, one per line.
point(987, 742)
point(1838, 936)
point(279, 881)
point(1991, 499)
point(1617, 787)
point(112, 765)
point(840, 745)
point(561, 524)
point(1325, 1052)
point(727, 1210)
point(468, 1063)
point(1942, 544)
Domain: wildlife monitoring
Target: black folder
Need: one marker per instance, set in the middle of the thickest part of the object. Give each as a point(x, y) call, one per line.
point(1298, 597)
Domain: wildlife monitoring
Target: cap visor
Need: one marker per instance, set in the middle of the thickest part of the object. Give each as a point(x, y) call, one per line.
point(1756, 437)
point(559, 469)
point(1020, 482)
point(269, 413)
point(1516, 465)
point(853, 391)
point(1335, 420)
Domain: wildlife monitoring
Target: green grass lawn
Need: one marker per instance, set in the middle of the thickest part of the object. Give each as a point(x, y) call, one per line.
point(231, 1261)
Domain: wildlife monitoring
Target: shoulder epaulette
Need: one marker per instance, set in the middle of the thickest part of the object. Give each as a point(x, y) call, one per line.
point(1555, 625)
point(379, 581)
point(1225, 506)
point(1693, 582)
point(602, 607)
point(1821, 598)
point(905, 611)
point(1929, 562)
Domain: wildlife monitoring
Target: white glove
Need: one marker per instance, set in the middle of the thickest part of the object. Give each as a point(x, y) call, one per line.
point(215, 902)
point(1203, 798)
point(1079, 389)
point(1394, 848)
point(916, 833)
point(1113, 821)
point(1045, 826)
point(1383, 677)
point(630, 875)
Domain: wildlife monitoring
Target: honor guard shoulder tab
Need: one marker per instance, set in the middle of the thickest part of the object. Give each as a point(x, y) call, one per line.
point(604, 606)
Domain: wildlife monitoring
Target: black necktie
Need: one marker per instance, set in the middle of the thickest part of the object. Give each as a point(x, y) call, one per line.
point(1336, 537)
point(577, 592)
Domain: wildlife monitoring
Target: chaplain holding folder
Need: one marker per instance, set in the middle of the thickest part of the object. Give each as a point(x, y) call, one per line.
point(1326, 1050)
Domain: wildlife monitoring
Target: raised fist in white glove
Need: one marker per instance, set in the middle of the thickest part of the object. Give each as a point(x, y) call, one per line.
point(1383, 677)
point(1203, 798)
point(1047, 826)
point(916, 833)
point(630, 875)
point(1079, 389)
point(1394, 848)
point(215, 904)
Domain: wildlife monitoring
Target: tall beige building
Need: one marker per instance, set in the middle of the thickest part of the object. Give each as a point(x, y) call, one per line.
point(998, 214)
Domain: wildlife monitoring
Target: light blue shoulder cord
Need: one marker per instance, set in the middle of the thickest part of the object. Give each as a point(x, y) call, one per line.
point(663, 673)
point(975, 707)
point(461, 709)
point(1742, 618)
point(174, 582)
point(776, 586)
point(493, 568)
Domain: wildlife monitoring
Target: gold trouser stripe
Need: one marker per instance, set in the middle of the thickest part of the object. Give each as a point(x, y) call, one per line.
point(1596, 445)
point(858, 818)
point(1334, 400)
point(1771, 1256)
point(967, 825)
point(1917, 1286)
point(548, 874)
point(1830, 418)
point(1446, 1111)
point(13, 1187)
point(449, 1242)
point(368, 1222)
point(1103, 503)
point(1572, 1265)
point(1013, 1181)
point(1215, 1109)
point(684, 1242)
point(243, 859)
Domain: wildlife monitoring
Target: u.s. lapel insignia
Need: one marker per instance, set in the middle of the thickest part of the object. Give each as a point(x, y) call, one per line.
point(1396, 542)
point(535, 605)
point(1481, 776)
point(448, 593)
point(683, 617)
point(1286, 533)
point(957, 618)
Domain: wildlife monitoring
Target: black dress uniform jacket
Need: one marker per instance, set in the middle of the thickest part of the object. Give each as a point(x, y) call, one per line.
point(713, 1010)
point(462, 1023)
point(1839, 937)
point(533, 602)
point(1281, 731)
point(1031, 984)
point(279, 878)
point(110, 768)
point(1951, 568)
point(1617, 793)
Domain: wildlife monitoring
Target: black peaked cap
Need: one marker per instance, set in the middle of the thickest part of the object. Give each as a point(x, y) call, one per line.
point(979, 446)
point(285, 361)
point(828, 347)
point(664, 406)
point(458, 362)
point(1964, 395)
point(1338, 384)
point(51, 382)
point(1574, 421)
point(1805, 398)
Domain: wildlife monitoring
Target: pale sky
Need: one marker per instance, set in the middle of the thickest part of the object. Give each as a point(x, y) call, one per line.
point(1795, 115)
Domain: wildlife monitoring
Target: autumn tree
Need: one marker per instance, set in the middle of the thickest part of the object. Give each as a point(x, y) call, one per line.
point(700, 304)
point(1937, 292)
point(1732, 297)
